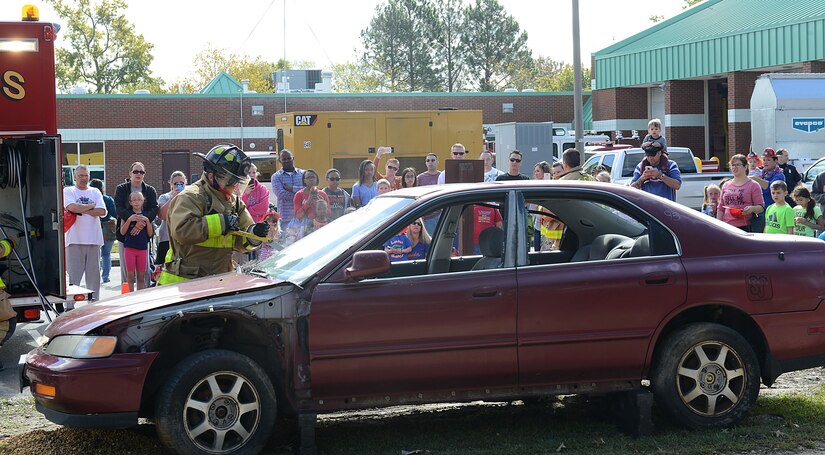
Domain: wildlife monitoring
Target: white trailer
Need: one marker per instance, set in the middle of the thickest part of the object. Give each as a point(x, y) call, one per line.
point(788, 111)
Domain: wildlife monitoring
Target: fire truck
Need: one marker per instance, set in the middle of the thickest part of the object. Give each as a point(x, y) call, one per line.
point(31, 180)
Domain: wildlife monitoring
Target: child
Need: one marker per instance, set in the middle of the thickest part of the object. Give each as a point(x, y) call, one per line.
point(271, 247)
point(712, 195)
point(136, 245)
point(654, 137)
point(322, 213)
point(754, 164)
point(808, 218)
point(779, 217)
point(398, 247)
point(383, 186)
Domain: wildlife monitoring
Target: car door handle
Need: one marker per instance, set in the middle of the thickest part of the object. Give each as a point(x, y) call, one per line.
point(657, 279)
point(485, 292)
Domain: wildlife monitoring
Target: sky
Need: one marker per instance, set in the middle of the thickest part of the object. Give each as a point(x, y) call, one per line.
point(328, 31)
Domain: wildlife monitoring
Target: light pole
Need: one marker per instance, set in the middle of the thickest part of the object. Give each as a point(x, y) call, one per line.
point(577, 82)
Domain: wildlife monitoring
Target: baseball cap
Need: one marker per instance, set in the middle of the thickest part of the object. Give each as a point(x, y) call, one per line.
point(652, 150)
point(753, 156)
point(769, 153)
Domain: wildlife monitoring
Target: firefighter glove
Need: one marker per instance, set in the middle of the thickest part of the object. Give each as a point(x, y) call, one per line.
point(260, 229)
point(230, 223)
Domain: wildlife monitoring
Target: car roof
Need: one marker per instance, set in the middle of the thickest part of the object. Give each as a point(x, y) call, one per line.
point(429, 191)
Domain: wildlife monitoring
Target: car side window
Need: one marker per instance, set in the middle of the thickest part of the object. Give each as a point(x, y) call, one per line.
point(608, 162)
point(578, 230)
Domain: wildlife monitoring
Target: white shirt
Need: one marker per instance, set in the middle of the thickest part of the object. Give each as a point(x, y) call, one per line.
point(490, 176)
point(86, 230)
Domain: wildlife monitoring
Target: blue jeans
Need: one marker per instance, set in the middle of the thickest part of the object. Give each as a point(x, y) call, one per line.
point(106, 258)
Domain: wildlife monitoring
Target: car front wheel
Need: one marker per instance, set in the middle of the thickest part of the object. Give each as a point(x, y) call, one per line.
point(216, 402)
point(706, 375)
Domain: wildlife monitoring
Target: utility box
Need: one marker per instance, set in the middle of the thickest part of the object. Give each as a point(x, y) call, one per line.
point(788, 111)
point(533, 140)
point(342, 140)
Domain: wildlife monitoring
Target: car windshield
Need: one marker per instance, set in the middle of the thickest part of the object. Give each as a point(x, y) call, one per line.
point(300, 261)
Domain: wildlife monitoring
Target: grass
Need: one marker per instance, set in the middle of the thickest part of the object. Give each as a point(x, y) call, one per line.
point(574, 425)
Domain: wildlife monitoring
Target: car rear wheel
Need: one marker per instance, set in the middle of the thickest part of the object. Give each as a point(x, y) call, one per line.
point(706, 375)
point(216, 402)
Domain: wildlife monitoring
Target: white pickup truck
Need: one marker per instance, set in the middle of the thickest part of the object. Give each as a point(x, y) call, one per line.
point(622, 163)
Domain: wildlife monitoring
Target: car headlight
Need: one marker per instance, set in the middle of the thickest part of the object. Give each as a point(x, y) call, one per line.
point(82, 346)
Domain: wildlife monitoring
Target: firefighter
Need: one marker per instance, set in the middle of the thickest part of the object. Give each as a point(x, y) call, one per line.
point(204, 215)
point(8, 317)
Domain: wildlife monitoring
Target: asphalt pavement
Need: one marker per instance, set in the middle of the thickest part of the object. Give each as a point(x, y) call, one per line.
point(26, 337)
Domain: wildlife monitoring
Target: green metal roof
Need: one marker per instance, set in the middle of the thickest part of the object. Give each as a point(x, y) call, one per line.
point(587, 114)
point(716, 36)
point(222, 84)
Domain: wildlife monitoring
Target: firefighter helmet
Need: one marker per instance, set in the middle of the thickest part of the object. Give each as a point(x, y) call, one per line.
point(227, 160)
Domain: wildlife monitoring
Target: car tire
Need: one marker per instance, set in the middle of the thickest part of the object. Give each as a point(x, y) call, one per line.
point(216, 402)
point(705, 375)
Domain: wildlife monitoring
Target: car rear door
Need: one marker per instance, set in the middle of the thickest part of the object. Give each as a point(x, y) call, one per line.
point(590, 318)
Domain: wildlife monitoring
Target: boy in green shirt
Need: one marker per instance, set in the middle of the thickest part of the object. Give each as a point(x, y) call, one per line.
point(779, 217)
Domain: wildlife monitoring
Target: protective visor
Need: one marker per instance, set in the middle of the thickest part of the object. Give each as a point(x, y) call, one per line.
point(226, 180)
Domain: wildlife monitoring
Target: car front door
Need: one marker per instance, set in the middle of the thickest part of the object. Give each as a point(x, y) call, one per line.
point(428, 329)
point(589, 318)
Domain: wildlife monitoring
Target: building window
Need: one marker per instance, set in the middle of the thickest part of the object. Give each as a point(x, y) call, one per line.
point(258, 110)
point(90, 154)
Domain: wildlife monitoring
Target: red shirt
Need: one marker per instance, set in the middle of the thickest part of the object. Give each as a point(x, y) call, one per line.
point(484, 217)
point(303, 208)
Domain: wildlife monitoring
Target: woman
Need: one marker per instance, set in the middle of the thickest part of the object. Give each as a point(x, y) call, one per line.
point(741, 196)
point(420, 240)
point(541, 168)
point(364, 189)
point(135, 182)
point(177, 182)
point(255, 196)
point(307, 198)
point(408, 177)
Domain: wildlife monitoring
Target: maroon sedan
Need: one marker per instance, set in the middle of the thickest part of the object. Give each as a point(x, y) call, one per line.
point(627, 287)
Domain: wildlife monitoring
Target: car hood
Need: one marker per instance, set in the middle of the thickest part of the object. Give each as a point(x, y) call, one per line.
point(89, 317)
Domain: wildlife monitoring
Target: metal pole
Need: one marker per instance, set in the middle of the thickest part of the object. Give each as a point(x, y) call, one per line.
point(283, 75)
point(577, 81)
point(242, 90)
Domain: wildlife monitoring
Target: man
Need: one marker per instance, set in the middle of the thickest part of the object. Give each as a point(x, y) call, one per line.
point(84, 238)
point(391, 168)
point(514, 171)
point(490, 173)
point(771, 172)
point(135, 183)
point(339, 199)
point(286, 183)
point(571, 166)
point(8, 317)
point(457, 151)
point(558, 170)
point(657, 175)
point(430, 176)
point(792, 177)
point(204, 215)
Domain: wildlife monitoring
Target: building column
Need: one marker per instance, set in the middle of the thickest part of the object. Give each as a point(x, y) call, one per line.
point(740, 90)
point(685, 115)
point(620, 109)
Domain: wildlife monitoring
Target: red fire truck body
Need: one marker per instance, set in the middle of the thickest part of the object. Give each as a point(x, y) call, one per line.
point(31, 178)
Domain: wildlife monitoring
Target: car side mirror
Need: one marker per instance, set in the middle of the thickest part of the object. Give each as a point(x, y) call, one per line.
point(368, 264)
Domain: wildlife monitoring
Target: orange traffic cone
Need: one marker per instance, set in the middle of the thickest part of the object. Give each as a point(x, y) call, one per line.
point(124, 288)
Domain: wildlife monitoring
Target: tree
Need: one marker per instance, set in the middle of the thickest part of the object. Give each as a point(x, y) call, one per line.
point(353, 78)
point(495, 45)
point(656, 18)
point(547, 75)
point(689, 3)
point(104, 50)
point(398, 46)
point(448, 46)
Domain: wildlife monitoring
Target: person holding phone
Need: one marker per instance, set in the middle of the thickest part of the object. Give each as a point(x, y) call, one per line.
point(306, 199)
point(177, 182)
point(657, 175)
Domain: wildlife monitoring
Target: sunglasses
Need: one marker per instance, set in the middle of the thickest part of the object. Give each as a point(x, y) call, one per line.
point(334, 179)
point(417, 224)
point(515, 160)
point(392, 167)
point(138, 172)
point(459, 153)
point(431, 160)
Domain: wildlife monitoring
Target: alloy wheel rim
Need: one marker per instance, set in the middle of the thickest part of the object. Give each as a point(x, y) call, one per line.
point(710, 379)
point(221, 412)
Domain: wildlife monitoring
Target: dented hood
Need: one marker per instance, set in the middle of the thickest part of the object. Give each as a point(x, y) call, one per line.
point(89, 317)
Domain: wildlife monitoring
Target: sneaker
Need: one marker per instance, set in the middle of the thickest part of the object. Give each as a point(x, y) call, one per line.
point(106, 280)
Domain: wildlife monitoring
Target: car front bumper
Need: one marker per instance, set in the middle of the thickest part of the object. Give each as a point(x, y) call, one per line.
point(88, 393)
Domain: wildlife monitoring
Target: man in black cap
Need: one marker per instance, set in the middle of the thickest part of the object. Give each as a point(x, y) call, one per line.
point(657, 175)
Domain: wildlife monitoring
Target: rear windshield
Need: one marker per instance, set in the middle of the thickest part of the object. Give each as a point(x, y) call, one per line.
point(682, 158)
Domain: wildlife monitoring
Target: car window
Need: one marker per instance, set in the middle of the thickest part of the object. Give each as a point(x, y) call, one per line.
point(458, 237)
point(591, 163)
point(815, 170)
point(607, 162)
point(581, 229)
